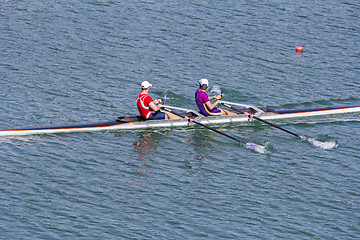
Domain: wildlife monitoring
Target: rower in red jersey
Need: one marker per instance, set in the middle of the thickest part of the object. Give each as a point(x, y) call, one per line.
point(149, 109)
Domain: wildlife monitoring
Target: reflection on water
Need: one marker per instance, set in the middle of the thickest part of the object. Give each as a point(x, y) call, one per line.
point(200, 139)
point(146, 145)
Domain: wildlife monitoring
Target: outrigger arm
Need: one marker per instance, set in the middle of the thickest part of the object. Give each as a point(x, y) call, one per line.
point(257, 110)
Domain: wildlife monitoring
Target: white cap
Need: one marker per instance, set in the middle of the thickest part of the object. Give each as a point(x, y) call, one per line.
point(203, 81)
point(145, 85)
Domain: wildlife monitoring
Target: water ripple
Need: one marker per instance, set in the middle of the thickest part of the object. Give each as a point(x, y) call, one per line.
point(74, 62)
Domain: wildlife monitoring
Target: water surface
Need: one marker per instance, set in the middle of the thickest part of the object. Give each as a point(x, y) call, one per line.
point(70, 62)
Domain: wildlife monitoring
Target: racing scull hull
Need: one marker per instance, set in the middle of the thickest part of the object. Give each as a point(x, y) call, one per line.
point(136, 122)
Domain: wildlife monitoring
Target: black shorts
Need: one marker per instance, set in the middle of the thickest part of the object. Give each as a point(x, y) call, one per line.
point(157, 116)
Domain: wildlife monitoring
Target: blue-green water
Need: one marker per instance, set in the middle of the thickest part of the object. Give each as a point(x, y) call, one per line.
point(69, 62)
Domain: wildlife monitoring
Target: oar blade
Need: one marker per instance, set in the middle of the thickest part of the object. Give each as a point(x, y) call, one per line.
point(255, 147)
point(323, 145)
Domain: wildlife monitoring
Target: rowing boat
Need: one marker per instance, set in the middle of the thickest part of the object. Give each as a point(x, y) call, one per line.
point(136, 122)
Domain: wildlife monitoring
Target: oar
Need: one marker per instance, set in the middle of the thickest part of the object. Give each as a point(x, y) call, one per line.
point(314, 142)
point(252, 146)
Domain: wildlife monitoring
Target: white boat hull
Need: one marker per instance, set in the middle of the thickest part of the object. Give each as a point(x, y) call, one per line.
point(120, 125)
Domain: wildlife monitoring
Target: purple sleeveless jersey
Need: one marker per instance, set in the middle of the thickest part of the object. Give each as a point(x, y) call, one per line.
point(201, 98)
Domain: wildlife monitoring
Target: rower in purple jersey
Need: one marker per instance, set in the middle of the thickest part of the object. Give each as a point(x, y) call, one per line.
point(203, 101)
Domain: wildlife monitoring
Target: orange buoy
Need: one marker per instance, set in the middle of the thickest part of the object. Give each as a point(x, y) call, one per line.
point(299, 48)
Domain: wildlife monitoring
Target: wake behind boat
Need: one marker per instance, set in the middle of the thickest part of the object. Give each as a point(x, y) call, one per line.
point(137, 122)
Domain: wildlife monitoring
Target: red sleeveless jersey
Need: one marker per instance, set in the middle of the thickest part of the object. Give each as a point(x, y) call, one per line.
point(142, 102)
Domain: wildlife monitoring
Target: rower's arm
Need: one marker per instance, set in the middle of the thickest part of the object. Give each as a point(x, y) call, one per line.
point(154, 106)
point(210, 105)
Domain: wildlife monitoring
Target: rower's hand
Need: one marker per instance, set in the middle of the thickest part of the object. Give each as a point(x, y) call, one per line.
point(157, 101)
point(218, 97)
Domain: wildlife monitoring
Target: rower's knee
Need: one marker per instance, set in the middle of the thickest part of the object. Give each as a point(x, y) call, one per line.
point(227, 112)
